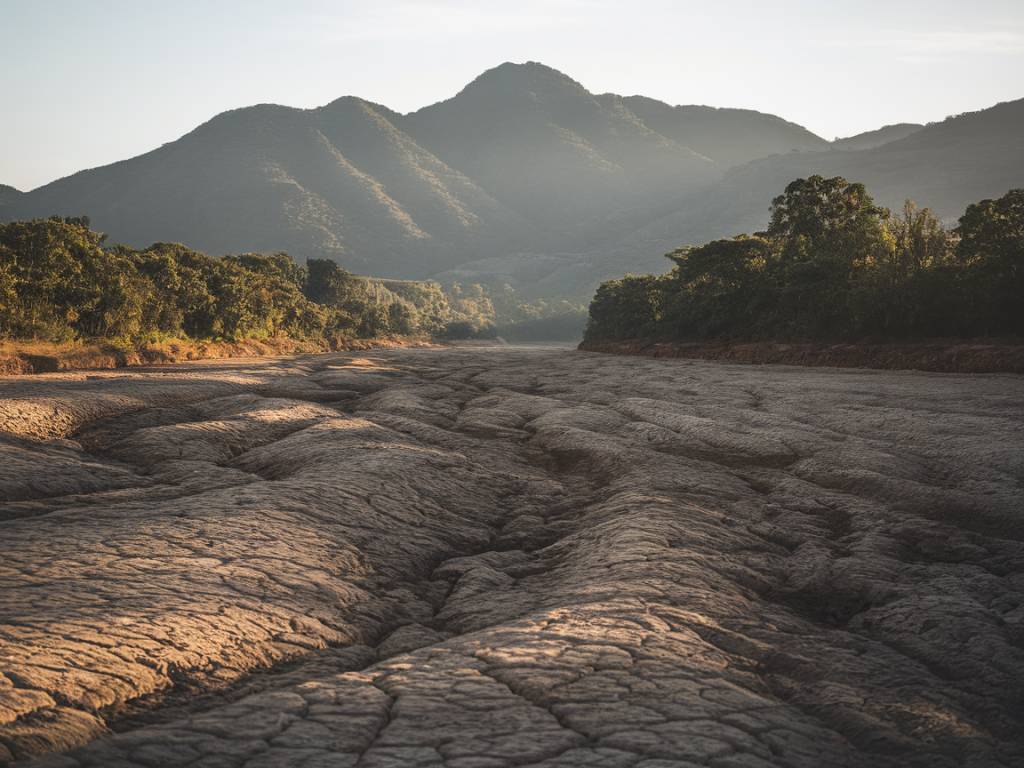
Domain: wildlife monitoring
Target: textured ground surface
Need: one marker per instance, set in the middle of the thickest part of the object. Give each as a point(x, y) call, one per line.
point(511, 557)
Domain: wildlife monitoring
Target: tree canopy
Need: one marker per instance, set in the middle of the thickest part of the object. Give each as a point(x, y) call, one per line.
point(832, 265)
point(59, 280)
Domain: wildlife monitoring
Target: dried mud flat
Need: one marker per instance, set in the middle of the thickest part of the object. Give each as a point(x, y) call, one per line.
point(511, 557)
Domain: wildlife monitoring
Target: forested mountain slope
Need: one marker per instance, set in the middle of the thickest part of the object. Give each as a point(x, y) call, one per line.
point(876, 138)
point(524, 177)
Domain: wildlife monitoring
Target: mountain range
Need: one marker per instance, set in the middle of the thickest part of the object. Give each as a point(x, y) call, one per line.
point(9, 194)
point(876, 138)
point(524, 177)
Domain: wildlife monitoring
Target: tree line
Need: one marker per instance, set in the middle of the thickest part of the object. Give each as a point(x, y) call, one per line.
point(833, 266)
point(59, 281)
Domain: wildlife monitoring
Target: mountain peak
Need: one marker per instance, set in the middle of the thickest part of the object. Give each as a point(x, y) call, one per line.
point(256, 117)
point(523, 69)
point(358, 105)
point(8, 193)
point(527, 76)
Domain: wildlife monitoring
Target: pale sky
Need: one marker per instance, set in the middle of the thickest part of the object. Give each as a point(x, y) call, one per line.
point(88, 82)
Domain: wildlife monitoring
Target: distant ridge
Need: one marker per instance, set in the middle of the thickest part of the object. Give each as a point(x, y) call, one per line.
point(727, 136)
point(876, 138)
point(523, 178)
point(9, 194)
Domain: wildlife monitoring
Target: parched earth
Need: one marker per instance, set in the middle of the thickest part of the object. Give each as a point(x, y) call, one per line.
point(488, 557)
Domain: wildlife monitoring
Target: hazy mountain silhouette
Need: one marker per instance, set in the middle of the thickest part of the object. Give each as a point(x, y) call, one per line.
point(524, 175)
point(876, 138)
point(9, 194)
point(727, 136)
point(539, 142)
point(340, 180)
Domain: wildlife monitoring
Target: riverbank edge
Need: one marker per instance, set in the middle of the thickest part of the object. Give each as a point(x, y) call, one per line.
point(941, 357)
point(27, 358)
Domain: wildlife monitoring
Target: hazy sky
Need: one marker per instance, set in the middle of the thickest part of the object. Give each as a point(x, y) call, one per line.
point(88, 82)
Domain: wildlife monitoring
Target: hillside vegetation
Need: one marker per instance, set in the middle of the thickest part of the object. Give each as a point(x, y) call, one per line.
point(60, 282)
point(833, 265)
point(8, 194)
point(523, 178)
point(876, 138)
point(729, 137)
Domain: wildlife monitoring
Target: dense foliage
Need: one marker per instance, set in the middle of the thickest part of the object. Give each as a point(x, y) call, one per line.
point(59, 281)
point(833, 266)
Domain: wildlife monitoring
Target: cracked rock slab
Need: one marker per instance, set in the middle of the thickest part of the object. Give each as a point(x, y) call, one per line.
point(490, 557)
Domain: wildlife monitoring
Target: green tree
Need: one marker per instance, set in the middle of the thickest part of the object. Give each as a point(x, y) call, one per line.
point(991, 253)
point(833, 266)
point(49, 265)
point(911, 291)
point(183, 280)
point(628, 308)
point(827, 233)
point(327, 283)
point(819, 217)
point(718, 289)
point(401, 319)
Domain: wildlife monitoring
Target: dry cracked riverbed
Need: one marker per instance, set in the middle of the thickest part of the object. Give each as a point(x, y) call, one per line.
point(511, 557)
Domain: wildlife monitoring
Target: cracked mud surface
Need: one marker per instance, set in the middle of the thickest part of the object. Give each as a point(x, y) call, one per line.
point(511, 557)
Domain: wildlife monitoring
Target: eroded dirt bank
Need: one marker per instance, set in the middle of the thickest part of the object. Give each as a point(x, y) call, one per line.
point(511, 557)
point(24, 358)
point(940, 357)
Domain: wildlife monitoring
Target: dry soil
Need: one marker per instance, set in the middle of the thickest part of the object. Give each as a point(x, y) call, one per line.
point(478, 558)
